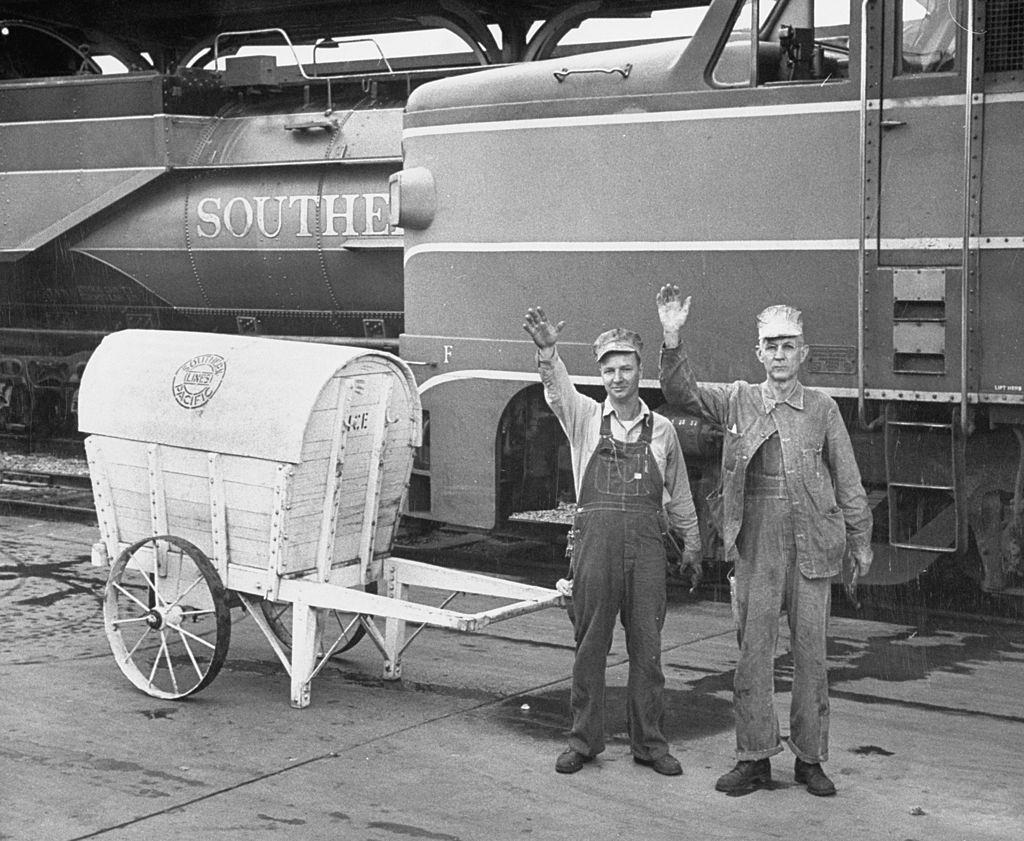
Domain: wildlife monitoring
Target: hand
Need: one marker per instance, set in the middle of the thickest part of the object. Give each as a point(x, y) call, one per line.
point(564, 587)
point(692, 566)
point(545, 335)
point(672, 310)
point(858, 567)
point(851, 590)
point(863, 565)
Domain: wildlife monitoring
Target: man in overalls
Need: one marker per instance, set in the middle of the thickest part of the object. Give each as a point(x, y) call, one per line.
point(792, 503)
point(629, 474)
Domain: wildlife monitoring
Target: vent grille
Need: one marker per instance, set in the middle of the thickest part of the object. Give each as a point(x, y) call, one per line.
point(1004, 36)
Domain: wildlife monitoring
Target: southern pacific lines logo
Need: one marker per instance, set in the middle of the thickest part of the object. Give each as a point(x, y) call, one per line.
point(197, 380)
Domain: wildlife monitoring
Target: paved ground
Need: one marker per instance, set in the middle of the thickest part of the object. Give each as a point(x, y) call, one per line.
point(927, 735)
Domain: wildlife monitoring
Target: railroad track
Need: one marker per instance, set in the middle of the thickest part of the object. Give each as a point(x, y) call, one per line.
point(46, 495)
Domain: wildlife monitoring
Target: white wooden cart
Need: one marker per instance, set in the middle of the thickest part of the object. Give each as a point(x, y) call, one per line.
point(268, 473)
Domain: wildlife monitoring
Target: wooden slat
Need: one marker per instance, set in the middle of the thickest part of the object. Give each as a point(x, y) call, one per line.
point(106, 510)
point(191, 511)
point(157, 502)
point(378, 453)
point(332, 486)
point(236, 469)
point(157, 507)
point(218, 516)
point(278, 524)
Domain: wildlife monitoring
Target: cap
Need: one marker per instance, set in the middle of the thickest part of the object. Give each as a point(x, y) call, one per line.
point(617, 341)
point(779, 320)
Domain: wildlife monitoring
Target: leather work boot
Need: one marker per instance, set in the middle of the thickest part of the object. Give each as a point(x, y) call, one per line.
point(570, 761)
point(812, 775)
point(667, 764)
point(746, 776)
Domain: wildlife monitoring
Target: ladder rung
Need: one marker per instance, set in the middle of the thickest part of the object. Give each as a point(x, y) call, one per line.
point(920, 425)
point(922, 487)
point(949, 550)
point(875, 497)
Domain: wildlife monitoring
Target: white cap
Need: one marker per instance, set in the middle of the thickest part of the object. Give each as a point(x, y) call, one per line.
point(779, 320)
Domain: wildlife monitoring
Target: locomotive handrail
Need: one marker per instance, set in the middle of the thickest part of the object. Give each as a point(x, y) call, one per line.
point(273, 30)
point(965, 253)
point(330, 42)
point(862, 241)
point(291, 48)
point(623, 71)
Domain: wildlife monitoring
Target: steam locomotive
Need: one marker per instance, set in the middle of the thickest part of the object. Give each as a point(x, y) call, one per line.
point(231, 200)
point(860, 160)
point(218, 167)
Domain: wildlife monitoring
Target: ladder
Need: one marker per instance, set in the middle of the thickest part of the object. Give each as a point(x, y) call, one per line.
point(924, 470)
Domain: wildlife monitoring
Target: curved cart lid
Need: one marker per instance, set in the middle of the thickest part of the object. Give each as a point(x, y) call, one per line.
point(238, 395)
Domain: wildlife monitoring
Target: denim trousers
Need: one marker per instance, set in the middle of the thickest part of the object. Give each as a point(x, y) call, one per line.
point(769, 583)
point(620, 574)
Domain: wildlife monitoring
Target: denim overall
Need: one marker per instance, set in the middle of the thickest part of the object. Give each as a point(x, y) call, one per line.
point(769, 581)
point(619, 568)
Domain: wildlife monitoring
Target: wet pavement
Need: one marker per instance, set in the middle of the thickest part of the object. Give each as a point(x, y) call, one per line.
point(927, 730)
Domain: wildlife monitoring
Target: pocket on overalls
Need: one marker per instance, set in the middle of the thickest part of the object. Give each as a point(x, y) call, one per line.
point(621, 475)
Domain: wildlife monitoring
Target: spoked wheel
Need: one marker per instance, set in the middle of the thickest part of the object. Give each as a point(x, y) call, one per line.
point(167, 617)
point(345, 628)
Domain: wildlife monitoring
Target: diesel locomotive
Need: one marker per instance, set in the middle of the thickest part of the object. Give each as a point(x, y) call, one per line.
point(860, 160)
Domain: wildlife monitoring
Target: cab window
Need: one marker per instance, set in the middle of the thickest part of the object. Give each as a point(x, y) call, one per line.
point(797, 41)
point(929, 31)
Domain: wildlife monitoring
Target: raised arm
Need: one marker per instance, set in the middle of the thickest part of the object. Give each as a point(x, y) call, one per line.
point(678, 382)
point(567, 404)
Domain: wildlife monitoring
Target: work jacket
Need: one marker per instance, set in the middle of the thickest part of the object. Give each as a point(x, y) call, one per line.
point(827, 500)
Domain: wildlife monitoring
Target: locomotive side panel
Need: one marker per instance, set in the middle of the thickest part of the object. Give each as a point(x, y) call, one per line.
point(1001, 372)
point(286, 238)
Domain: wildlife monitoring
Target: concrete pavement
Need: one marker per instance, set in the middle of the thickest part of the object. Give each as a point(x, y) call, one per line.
point(927, 732)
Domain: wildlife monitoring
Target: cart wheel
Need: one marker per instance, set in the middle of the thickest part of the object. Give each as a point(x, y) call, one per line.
point(337, 625)
point(167, 617)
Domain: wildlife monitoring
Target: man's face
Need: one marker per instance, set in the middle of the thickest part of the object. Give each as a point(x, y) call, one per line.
point(782, 357)
point(620, 373)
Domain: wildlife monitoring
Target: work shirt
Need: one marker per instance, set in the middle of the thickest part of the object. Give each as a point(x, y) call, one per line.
point(580, 417)
point(826, 498)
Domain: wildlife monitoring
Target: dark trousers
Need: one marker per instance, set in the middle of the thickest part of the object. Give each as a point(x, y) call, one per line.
point(619, 570)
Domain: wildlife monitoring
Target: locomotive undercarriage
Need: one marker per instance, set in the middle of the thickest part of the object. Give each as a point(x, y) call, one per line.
point(43, 351)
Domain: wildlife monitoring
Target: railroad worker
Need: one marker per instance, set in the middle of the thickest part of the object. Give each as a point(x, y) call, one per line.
point(792, 504)
point(630, 476)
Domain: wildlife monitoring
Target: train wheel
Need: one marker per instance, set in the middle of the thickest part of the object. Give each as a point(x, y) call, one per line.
point(167, 618)
point(344, 628)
